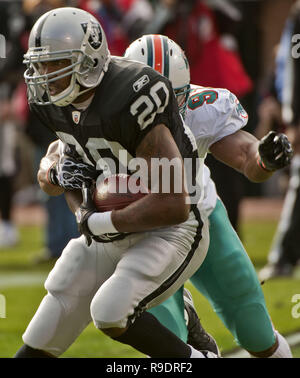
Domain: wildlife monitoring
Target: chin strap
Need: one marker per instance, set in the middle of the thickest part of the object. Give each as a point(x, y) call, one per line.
point(64, 99)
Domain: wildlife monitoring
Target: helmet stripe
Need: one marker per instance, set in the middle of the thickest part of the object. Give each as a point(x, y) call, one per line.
point(38, 42)
point(166, 56)
point(158, 66)
point(150, 51)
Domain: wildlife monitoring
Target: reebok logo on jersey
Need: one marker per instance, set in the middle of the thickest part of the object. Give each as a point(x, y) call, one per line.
point(142, 81)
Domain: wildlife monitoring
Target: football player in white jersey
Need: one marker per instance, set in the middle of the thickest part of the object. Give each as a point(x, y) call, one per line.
point(227, 277)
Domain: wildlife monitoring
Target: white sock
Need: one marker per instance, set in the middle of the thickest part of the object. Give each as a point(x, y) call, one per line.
point(195, 353)
point(283, 350)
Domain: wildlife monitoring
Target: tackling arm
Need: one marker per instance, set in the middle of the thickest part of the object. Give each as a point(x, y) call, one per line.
point(257, 160)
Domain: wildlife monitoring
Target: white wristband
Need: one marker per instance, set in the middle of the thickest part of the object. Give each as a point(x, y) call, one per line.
point(101, 223)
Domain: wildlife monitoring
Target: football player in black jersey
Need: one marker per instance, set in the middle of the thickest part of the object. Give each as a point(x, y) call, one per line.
point(109, 113)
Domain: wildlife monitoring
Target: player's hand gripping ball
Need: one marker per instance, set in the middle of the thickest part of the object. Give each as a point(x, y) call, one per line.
point(118, 191)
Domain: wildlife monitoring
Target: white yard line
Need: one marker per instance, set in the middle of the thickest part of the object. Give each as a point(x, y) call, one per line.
point(17, 279)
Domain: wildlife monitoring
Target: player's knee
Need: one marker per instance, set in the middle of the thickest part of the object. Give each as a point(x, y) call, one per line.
point(113, 303)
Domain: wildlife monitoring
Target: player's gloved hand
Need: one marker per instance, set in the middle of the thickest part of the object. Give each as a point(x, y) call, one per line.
point(275, 151)
point(86, 209)
point(71, 173)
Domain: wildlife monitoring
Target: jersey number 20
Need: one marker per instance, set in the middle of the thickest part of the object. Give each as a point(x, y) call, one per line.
point(145, 104)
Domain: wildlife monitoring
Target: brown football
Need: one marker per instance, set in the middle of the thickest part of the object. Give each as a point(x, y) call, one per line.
point(118, 191)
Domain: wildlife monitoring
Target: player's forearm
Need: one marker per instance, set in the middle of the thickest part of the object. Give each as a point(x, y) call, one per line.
point(43, 177)
point(252, 169)
point(51, 157)
point(240, 151)
point(152, 211)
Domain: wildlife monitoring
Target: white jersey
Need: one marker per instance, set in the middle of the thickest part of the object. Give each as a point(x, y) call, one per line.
point(212, 114)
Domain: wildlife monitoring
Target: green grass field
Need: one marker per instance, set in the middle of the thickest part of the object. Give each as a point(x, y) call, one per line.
point(22, 297)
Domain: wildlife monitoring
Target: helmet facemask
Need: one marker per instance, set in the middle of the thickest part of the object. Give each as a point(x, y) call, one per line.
point(182, 96)
point(38, 83)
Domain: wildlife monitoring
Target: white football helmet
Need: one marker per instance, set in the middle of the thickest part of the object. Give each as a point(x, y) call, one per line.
point(166, 57)
point(65, 33)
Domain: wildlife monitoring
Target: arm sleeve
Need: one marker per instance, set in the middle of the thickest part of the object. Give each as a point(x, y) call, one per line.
point(214, 120)
point(231, 117)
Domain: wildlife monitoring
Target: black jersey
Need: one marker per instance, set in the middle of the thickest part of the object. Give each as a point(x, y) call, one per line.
point(130, 100)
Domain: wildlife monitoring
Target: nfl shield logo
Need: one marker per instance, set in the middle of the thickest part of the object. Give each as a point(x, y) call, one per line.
point(76, 116)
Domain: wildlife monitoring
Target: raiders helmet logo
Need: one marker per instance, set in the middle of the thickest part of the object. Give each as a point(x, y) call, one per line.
point(95, 38)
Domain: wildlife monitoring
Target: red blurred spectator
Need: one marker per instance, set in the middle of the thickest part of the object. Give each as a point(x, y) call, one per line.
point(110, 14)
point(211, 63)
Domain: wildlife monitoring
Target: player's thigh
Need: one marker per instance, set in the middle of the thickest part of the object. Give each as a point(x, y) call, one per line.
point(81, 269)
point(149, 272)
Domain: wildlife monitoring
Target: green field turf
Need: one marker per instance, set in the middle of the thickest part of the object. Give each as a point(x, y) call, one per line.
point(22, 298)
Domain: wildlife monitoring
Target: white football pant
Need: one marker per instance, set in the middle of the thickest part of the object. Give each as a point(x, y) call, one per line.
point(110, 283)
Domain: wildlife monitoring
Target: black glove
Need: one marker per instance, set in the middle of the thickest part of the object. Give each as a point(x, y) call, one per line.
point(70, 173)
point(86, 209)
point(275, 151)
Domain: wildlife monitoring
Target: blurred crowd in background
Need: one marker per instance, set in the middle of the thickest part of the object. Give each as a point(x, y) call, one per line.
point(241, 45)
